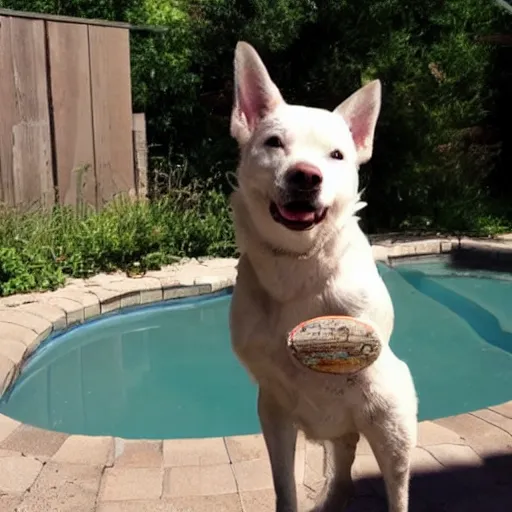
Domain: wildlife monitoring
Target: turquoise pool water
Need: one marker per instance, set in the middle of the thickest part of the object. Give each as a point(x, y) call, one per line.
point(167, 370)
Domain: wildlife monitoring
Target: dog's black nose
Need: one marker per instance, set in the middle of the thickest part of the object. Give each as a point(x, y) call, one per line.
point(304, 177)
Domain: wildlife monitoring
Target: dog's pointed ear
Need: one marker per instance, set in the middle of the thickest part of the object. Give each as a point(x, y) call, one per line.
point(256, 95)
point(360, 112)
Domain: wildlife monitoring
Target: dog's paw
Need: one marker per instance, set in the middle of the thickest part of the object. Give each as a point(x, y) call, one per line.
point(334, 498)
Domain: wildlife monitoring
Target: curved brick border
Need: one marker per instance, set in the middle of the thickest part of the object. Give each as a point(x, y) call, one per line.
point(226, 474)
point(27, 320)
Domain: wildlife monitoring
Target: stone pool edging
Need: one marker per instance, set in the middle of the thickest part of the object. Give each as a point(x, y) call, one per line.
point(26, 320)
point(230, 474)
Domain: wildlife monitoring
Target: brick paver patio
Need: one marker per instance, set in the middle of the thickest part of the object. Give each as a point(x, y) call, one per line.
point(462, 463)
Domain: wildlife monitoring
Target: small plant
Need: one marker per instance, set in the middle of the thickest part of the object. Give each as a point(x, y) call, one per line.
point(40, 248)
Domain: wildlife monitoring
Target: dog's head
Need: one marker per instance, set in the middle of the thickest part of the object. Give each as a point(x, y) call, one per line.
point(298, 172)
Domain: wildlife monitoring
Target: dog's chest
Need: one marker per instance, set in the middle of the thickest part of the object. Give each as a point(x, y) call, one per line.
point(318, 402)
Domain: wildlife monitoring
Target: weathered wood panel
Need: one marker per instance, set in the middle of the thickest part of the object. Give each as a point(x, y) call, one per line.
point(112, 110)
point(140, 151)
point(30, 153)
point(31, 165)
point(68, 49)
point(65, 100)
point(7, 113)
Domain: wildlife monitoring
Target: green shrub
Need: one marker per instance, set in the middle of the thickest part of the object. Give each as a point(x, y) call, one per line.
point(39, 249)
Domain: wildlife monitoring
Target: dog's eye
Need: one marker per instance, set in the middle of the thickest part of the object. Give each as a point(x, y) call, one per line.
point(337, 154)
point(274, 142)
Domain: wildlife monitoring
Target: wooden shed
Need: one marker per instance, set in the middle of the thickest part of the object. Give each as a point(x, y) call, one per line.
point(66, 123)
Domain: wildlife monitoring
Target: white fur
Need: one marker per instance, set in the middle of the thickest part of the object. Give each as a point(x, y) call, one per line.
point(286, 277)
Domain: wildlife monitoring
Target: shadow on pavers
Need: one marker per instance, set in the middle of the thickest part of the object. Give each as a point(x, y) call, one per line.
point(460, 489)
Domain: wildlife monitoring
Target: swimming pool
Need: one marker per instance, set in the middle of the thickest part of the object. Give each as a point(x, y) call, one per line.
point(167, 370)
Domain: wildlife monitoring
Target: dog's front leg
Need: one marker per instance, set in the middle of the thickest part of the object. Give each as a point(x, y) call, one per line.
point(392, 446)
point(280, 437)
point(390, 426)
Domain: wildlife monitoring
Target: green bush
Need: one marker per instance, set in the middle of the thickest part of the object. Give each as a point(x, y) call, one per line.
point(39, 249)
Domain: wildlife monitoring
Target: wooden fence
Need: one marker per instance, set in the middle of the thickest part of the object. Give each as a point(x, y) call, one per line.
point(66, 124)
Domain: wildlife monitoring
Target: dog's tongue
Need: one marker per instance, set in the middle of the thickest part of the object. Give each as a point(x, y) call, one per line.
point(297, 216)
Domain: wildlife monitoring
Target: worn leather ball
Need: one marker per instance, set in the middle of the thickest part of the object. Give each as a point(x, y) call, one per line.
point(334, 344)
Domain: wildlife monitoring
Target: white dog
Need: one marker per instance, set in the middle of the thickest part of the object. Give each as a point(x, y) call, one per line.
point(303, 255)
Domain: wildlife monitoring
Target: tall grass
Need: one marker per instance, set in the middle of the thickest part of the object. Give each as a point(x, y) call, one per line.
point(40, 248)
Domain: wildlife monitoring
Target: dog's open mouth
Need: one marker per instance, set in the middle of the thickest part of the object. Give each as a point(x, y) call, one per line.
point(297, 215)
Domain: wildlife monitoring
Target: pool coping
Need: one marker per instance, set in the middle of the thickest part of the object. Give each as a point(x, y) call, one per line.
point(29, 319)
